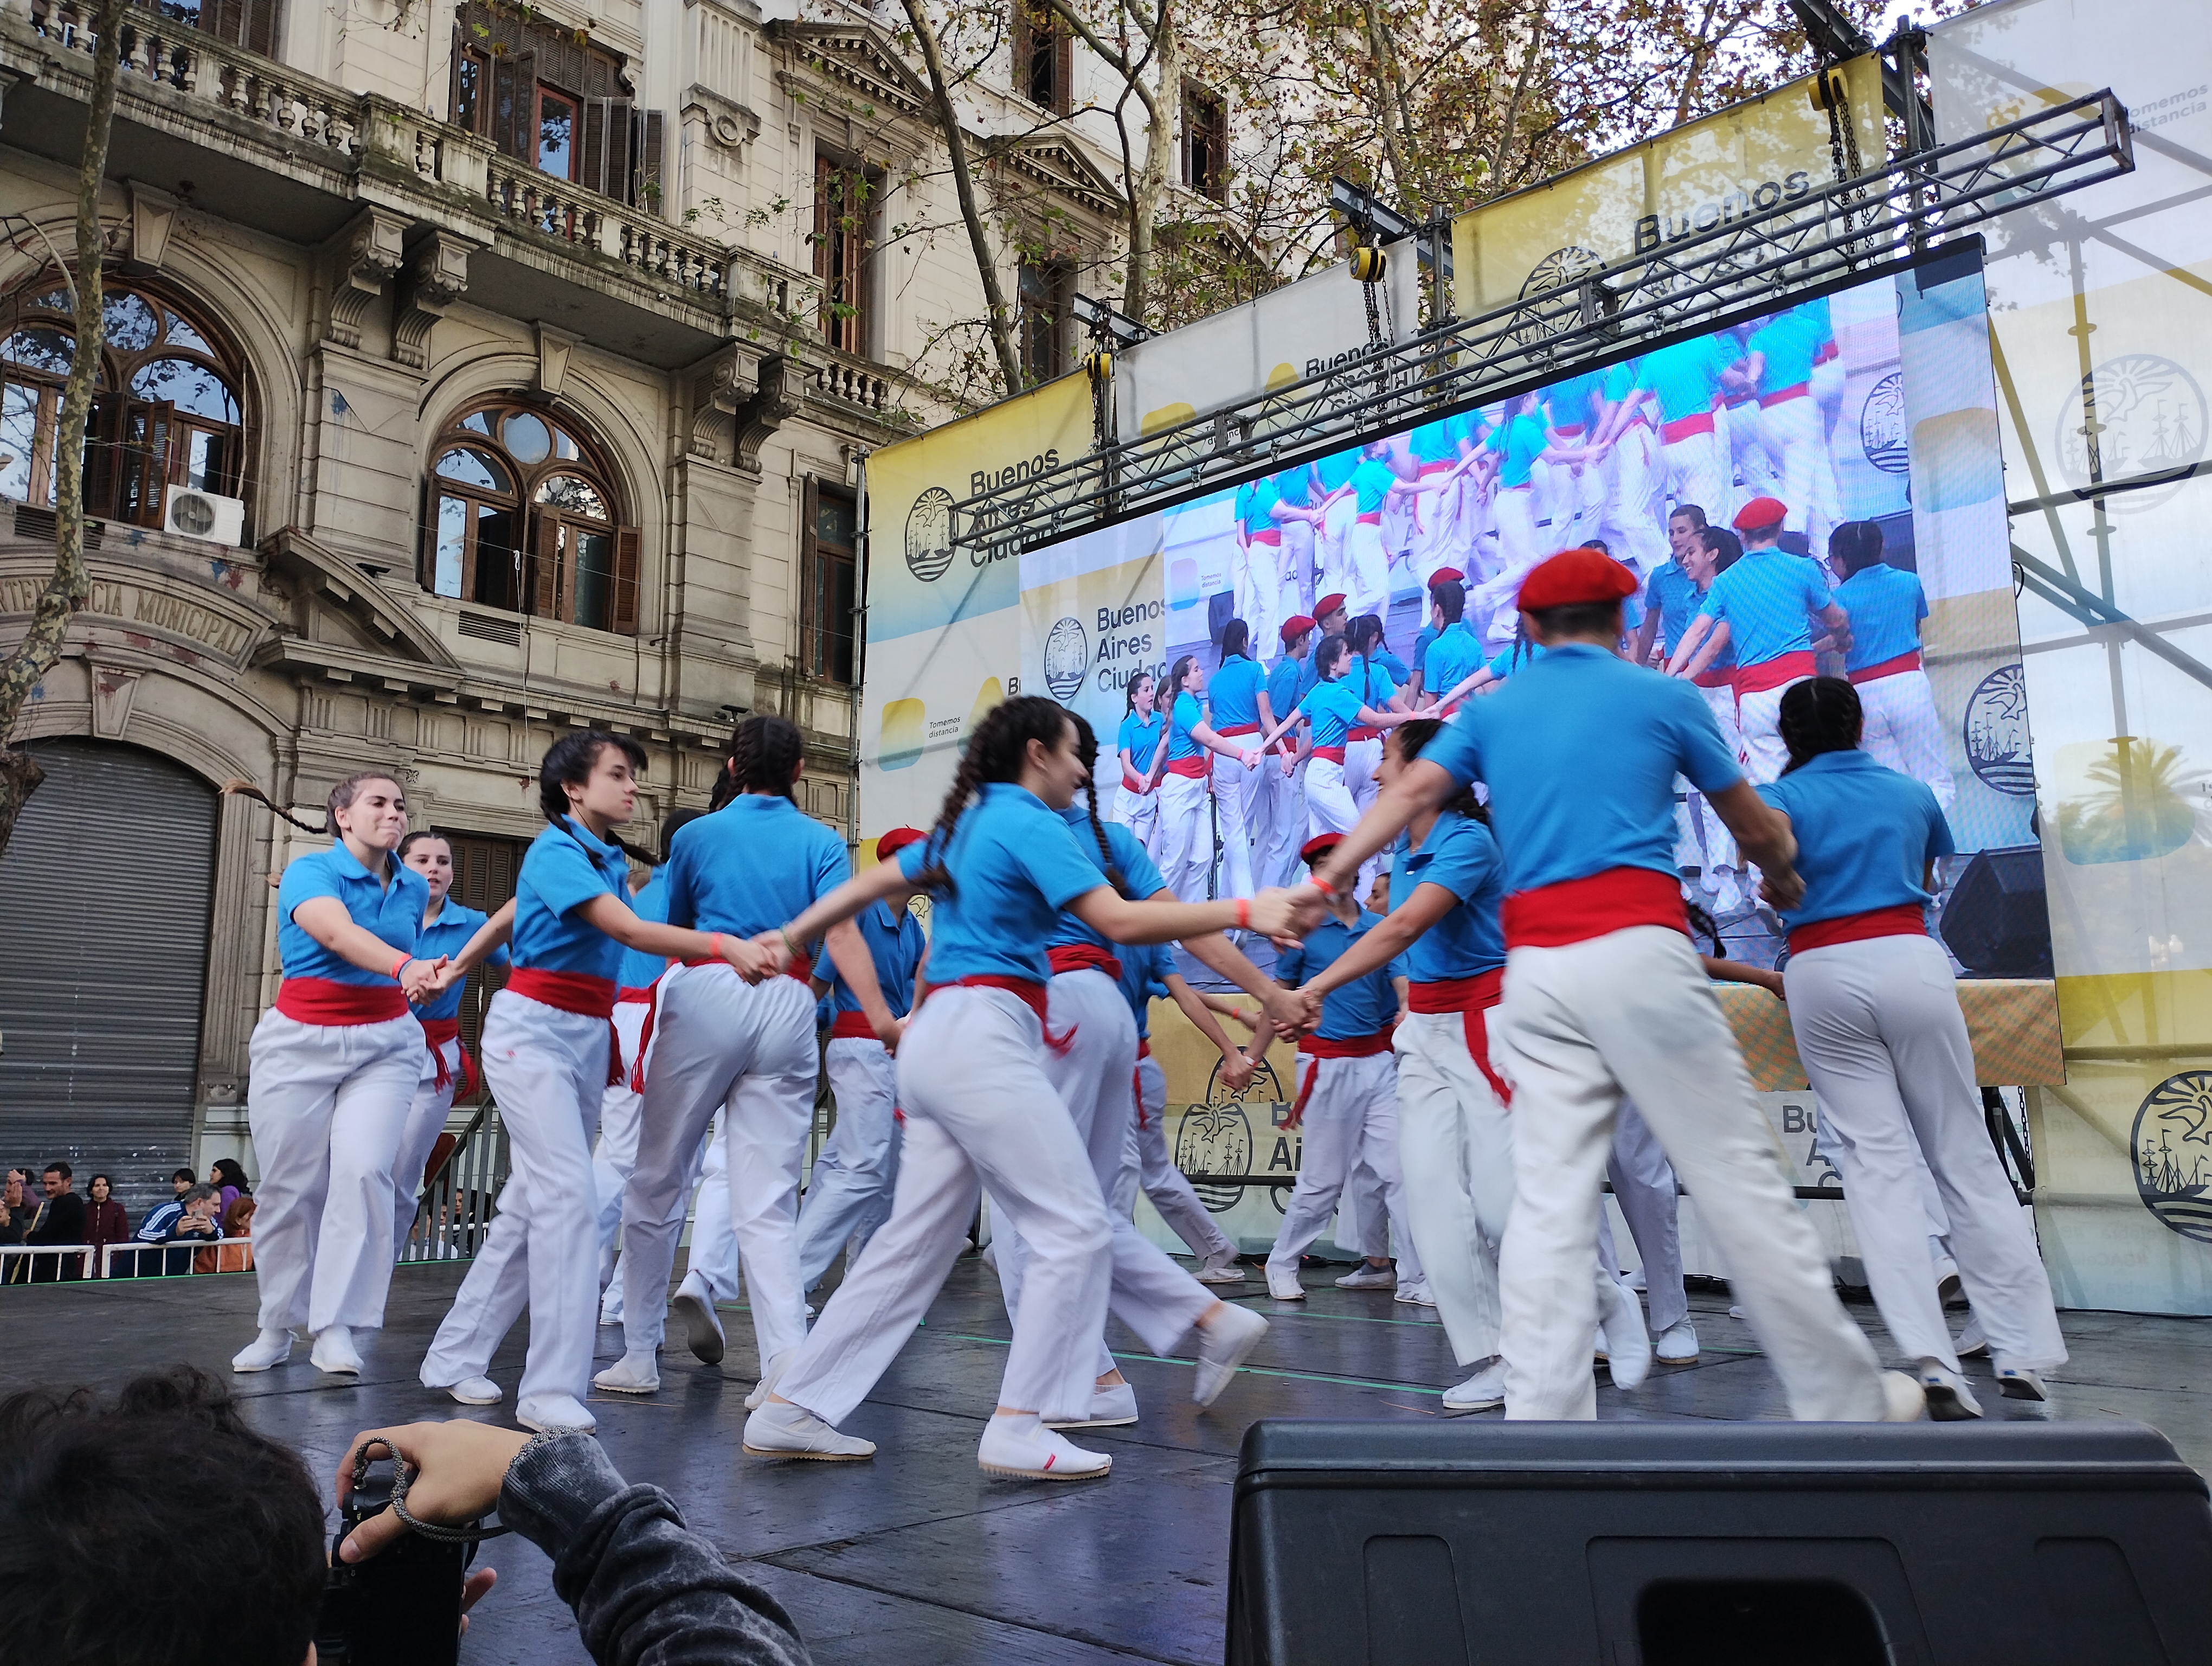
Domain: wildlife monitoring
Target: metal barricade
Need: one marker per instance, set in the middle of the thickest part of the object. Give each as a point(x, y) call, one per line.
point(457, 1205)
point(43, 1263)
point(175, 1258)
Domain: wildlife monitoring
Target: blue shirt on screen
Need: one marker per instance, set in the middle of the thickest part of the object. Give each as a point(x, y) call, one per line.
point(1296, 487)
point(1556, 821)
point(1139, 879)
point(1335, 710)
point(754, 863)
point(1363, 1006)
point(1570, 401)
point(1460, 855)
point(1887, 605)
point(1015, 866)
point(1285, 684)
point(1454, 656)
point(1686, 376)
point(1187, 716)
point(1370, 682)
point(1786, 345)
point(1140, 740)
point(1389, 662)
point(640, 970)
point(564, 868)
point(1233, 690)
point(1865, 835)
point(896, 945)
point(1510, 658)
point(1255, 498)
point(448, 934)
point(1765, 598)
point(1524, 442)
point(1338, 467)
point(392, 912)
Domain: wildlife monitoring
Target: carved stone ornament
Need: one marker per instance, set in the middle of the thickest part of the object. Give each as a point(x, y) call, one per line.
point(365, 256)
point(777, 395)
point(437, 277)
point(153, 218)
point(720, 385)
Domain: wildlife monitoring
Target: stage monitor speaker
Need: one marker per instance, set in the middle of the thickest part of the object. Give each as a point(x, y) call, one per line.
point(1996, 920)
point(1650, 1544)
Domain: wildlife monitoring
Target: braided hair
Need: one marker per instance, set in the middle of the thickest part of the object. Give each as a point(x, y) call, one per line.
point(1365, 633)
point(1332, 649)
point(1086, 748)
point(1129, 691)
point(1416, 734)
point(765, 753)
point(1236, 640)
point(1855, 546)
point(341, 798)
point(996, 751)
point(1820, 715)
point(568, 762)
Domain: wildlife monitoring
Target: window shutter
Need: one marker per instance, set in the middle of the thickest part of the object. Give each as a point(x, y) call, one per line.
point(546, 597)
point(1021, 37)
point(825, 184)
point(425, 546)
point(514, 104)
point(1063, 68)
point(628, 545)
point(261, 27)
point(453, 78)
point(604, 166)
point(648, 146)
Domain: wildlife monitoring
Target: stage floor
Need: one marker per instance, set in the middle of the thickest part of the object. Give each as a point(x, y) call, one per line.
point(918, 1555)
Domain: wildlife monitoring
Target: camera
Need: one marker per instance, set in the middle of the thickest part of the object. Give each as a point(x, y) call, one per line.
point(401, 1607)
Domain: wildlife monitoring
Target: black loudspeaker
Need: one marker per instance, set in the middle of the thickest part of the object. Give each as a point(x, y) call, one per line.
point(1996, 920)
point(1220, 609)
point(1650, 1544)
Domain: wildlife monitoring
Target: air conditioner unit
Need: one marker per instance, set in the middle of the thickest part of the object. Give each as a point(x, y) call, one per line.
point(195, 514)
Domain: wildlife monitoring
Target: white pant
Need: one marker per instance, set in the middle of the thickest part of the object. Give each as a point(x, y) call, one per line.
point(1796, 440)
point(1146, 1164)
point(1298, 589)
point(1370, 578)
point(1140, 813)
point(326, 1105)
point(1490, 604)
point(547, 1069)
point(745, 1051)
point(1186, 855)
point(1257, 582)
point(1278, 824)
point(1366, 1225)
point(615, 1157)
point(1903, 733)
point(849, 1194)
point(979, 1111)
point(1350, 1117)
point(1234, 788)
point(1149, 1294)
point(1334, 548)
point(1885, 1045)
point(1749, 471)
point(713, 1259)
point(1695, 474)
point(1632, 1012)
point(1758, 725)
point(426, 1121)
point(1329, 805)
point(1643, 1185)
point(1719, 844)
point(1637, 509)
point(1456, 1152)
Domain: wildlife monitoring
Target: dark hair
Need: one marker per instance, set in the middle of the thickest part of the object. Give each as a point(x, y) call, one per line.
point(1703, 925)
point(1417, 733)
point(1176, 672)
point(1696, 514)
point(1332, 649)
point(1598, 545)
point(340, 796)
point(1086, 748)
point(568, 762)
point(1576, 618)
point(765, 753)
point(184, 1175)
point(1129, 690)
point(98, 1179)
point(1236, 638)
point(1727, 548)
point(59, 1168)
point(996, 751)
point(417, 836)
point(1364, 636)
point(232, 1174)
point(1855, 545)
point(110, 1564)
point(1820, 715)
point(1450, 595)
point(673, 822)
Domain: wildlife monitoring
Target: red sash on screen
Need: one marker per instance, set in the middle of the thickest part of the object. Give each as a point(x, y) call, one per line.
point(1683, 427)
point(1776, 673)
point(1896, 667)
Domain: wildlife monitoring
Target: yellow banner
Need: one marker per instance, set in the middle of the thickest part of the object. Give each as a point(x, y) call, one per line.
point(1745, 159)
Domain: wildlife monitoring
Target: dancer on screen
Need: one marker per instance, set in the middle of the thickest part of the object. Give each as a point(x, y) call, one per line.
point(1186, 809)
point(1603, 995)
point(1334, 711)
point(1143, 745)
point(1886, 604)
point(1002, 865)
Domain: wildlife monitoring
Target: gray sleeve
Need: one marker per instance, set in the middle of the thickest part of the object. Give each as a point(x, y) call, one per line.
point(647, 1590)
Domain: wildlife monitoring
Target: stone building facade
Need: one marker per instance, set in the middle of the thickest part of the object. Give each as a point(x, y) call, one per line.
point(471, 380)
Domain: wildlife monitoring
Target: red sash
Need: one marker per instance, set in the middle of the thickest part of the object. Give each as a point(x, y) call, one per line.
point(1777, 673)
point(1795, 390)
point(1318, 1047)
point(1237, 729)
point(1133, 783)
point(437, 1032)
point(1905, 919)
point(1897, 667)
point(1371, 518)
point(1683, 427)
point(1195, 769)
point(1272, 535)
point(579, 993)
point(1334, 754)
point(1362, 733)
point(1436, 464)
point(1576, 911)
point(802, 968)
point(852, 1027)
point(325, 1000)
point(1137, 1082)
point(1470, 997)
point(1725, 677)
point(1083, 958)
point(1032, 995)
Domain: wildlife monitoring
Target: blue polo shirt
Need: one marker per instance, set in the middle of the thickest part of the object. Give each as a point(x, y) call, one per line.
point(1371, 483)
point(1333, 710)
point(1454, 656)
point(1765, 597)
point(1233, 690)
point(1187, 716)
point(1285, 683)
point(1139, 879)
point(1140, 738)
point(756, 862)
point(1144, 973)
point(448, 934)
point(1887, 605)
point(1511, 658)
point(1434, 442)
point(1788, 344)
point(564, 868)
point(1865, 834)
point(1673, 594)
point(1571, 400)
point(1295, 487)
point(1254, 499)
point(1370, 682)
point(896, 945)
point(392, 912)
point(1387, 661)
point(1633, 731)
point(1460, 855)
point(1362, 1007)
point(1338, 467)
point(640, 970)
point(1523, 442)
point(1015, 867)
point(1686, 376)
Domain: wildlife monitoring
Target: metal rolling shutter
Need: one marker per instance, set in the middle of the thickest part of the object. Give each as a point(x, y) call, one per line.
point(104, 894)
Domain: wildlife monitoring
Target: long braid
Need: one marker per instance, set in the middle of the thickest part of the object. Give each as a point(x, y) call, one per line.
point(1086, 748)
point(765, 753)
point(934, 876)
point(340, 796)
point(247, 789)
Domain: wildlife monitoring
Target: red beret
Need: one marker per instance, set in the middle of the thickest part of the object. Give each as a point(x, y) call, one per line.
point(1318, 847)
point(1296, 626)
point(1760, 512)
point(1575, 576)
point(896, 841)
point(1332, 603)
point(1444, 573)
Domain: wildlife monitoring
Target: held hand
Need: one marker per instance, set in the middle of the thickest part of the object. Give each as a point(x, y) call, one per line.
point(1236, 1072)
point(890, 1034)
point(1286, 1012)
point(419, 980)
point(1308, 908)
point(1782, 887)
point(769, 944)
point(1311, 999)
point(1250, 759)
point(1273, 914)
point(457, 1469)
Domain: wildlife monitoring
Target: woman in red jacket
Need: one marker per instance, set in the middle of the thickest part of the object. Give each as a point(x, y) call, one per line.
point(104, 1221)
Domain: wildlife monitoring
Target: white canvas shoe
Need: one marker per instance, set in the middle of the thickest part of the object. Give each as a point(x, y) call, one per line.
point(628, 1375)
point(475, 1391)
point(2020, 1383)
point(334, 1352)
point(1482, 1392)
point(1226, 1269)
point(1970, 1343)
point(769, 1378)
point(271, 1347)
point(557, 1414)
point(1677, 1345)
point(1222, 1347)
point(1017, 1446)
point(1285, 1286)
point(1417, 1294)
point(1112, 1406)
point(1368, 1277)
point(702, 1326)
point(1949, 1399)
point(1628, 1345)
point(780, 1430)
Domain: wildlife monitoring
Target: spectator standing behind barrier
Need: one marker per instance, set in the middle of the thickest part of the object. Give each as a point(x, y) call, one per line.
point(104, 1221)
point(225, 1175)
point(61, 1220)
point(156, 1227)
point(17, 1211)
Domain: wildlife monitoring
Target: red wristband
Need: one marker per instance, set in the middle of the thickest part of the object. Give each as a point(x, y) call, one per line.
point(398, 966)
point(1320, 885)
point(714, 944)
point(1244, 914)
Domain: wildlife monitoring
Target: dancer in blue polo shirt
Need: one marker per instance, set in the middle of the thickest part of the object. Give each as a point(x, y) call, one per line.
point(1187, 808)
point(1275, 843)
point(1604, 995)
point(1143, 746)
point(1878, 1025)
point(1235, 691)
point(1778, 363)
point(1886, 604)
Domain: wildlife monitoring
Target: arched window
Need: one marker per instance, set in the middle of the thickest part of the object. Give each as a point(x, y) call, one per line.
point(523, 517)
point(166, 409)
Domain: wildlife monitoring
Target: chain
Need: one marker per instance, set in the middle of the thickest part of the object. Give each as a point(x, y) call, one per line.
point(1842, 135)
point(403, 1470)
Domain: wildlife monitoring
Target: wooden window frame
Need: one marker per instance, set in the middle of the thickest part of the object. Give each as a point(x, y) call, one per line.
point(1205, 143)
point(1032, 32)
point(842, 252)
point(819, 638)
point(1044, 325)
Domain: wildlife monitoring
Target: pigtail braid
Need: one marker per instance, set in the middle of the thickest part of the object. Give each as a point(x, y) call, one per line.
point(246, 789)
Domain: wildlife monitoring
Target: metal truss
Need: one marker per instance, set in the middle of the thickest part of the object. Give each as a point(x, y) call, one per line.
point(1758, 258)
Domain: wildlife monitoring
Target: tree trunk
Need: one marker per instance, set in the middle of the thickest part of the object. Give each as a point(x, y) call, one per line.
point(1165, 110)
point(67, 589)
point(999, 318)
point(1393, 119)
